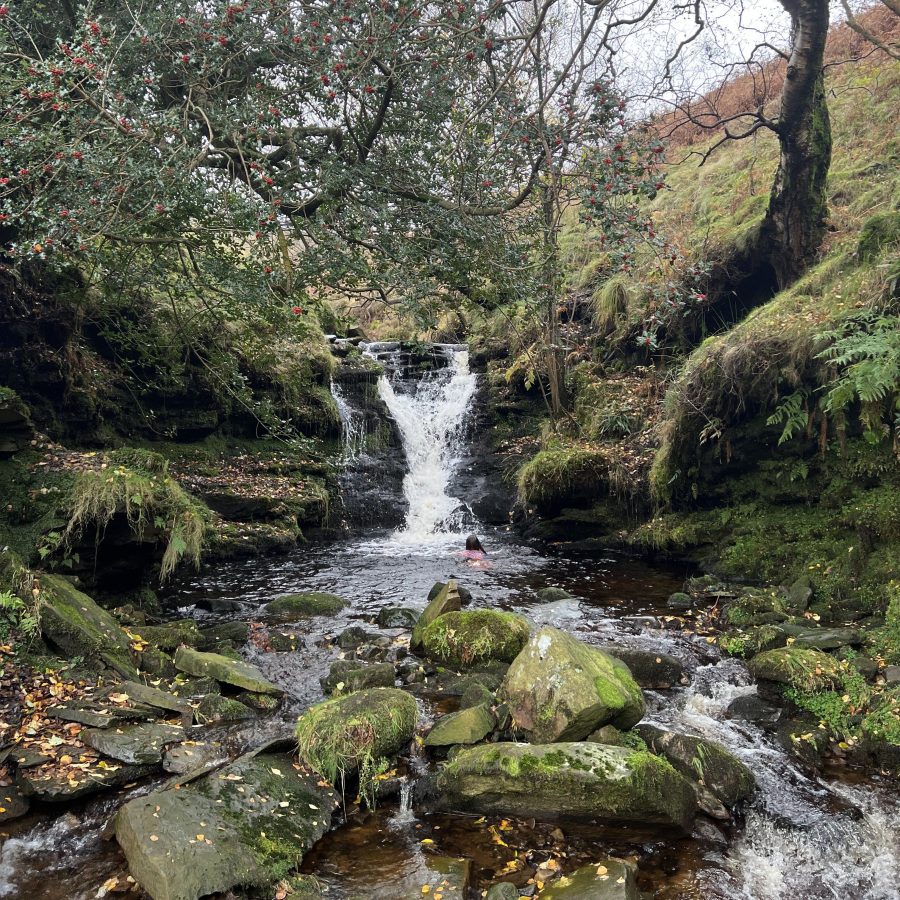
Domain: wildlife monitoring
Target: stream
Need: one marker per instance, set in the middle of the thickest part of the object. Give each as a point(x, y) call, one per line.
point(802, 836)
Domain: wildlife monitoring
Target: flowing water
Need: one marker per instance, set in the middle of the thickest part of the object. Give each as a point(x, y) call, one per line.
point(802, 837)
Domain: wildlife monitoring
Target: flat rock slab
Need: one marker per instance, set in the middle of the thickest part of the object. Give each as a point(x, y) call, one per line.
point(150, 696)
point(192, 755)
point(247, 824)
point(229, 671)
point(78, 626)
point(468, 726)
point(60, 785)
point(140, 745)
point(92, 718)
point(610, 879)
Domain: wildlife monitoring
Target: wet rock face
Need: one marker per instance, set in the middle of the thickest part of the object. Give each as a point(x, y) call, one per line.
point(247, 824)
point(559, 689)
point(79, 627)
point(703, 761)
point(16, 430)
point(581, 781)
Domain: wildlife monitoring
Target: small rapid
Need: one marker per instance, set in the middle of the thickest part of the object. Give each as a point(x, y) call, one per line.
point(803, 837)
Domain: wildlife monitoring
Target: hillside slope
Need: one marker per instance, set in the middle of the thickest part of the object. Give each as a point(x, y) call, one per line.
point(744, 442)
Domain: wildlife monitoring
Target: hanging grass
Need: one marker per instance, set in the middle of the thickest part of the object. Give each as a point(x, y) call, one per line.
point(136, 484)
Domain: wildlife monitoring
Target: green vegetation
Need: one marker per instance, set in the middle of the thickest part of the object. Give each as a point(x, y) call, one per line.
point(137, 484)
point(465, 639)
point(356, 733)
point(556, 477)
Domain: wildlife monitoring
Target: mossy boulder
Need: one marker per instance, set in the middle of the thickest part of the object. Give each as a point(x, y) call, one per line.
point(171, 635)
point(703, 761)
point(248, 824)
point(757, 608)
point(608, 879)
point(228, 671)
point(801, 668)
point(358, 732)
point(348, 675)
point(236, 632)
point(316, 603)
point(468, 726)
point(79, 627)
point(754, 639)
point(446, 599)
point(465, 639)
point(559, 689)
point(581, 781)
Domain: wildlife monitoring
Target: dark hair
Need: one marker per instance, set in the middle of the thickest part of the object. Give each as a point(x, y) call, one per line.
point(472, 543)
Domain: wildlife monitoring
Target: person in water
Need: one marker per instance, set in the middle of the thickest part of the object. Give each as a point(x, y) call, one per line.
point(474, 552)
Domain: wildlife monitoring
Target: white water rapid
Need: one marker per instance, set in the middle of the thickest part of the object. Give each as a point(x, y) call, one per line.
point(353, 425)
point(431, 417)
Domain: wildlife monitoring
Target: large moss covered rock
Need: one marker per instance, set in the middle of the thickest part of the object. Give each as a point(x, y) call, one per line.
point(801, 668)
point(445, 599)
point(248, 824)
point(229, 671)
point(464, 639)
point(79, 627)
point(358, 732)
point(703, 761)
point(316, 603)
point(581, 781)
point(559, 689)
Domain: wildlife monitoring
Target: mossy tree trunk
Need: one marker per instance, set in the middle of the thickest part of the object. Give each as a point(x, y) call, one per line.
point(795, 221)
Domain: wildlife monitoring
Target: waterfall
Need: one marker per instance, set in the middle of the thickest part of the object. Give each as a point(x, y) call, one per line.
point(431, 416)
point(353, 425)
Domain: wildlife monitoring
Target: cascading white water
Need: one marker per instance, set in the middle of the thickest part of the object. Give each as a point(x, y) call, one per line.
point(353, 425)
point(431, 421)
point(795, 842)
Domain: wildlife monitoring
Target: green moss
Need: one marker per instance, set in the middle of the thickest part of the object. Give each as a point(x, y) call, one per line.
point(878, 232)
point(886, 639)
point(565, 476)
point(356, 733)
point(803, 670)
point(882, 721)
point(474, 636)
point(136, 484)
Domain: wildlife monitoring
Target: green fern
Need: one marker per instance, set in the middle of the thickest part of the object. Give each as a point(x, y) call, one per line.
point(792, 415)
point(865, 350)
